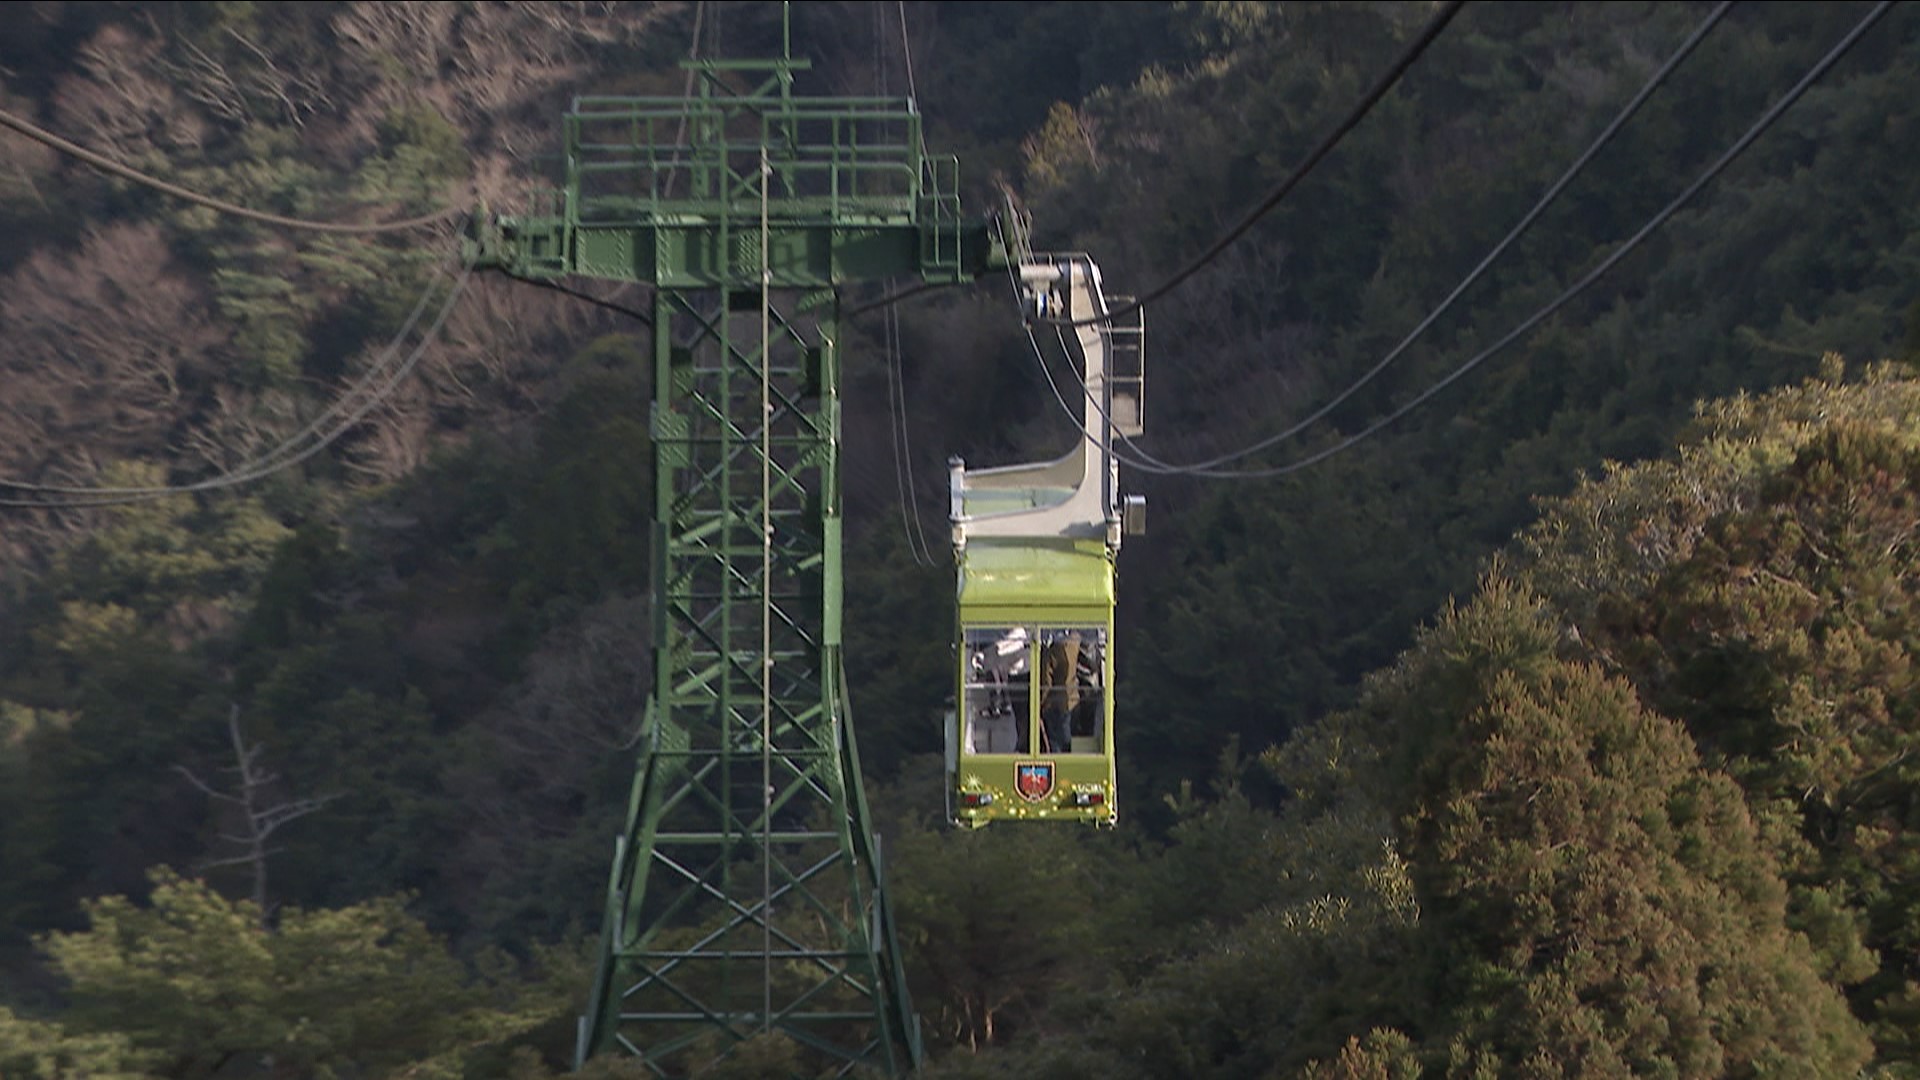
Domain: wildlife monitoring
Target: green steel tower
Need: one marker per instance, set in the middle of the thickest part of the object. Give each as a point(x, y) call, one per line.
point(746, 894)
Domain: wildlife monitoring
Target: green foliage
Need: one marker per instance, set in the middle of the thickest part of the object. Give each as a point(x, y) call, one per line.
point(173, 559)
point(1062, 148)
point(1175, 971)
point(418, 146)
point(269, 314)
point(1760, 589)
point(1383, 1054)
point(290, 604)
point(194, 982)
point(357, 732)
point(37, 1051)
point(1589, 891)
point(993, 924)
point(1333, 569)
point(899, 648)
point(1205, 666)
point(99, 704)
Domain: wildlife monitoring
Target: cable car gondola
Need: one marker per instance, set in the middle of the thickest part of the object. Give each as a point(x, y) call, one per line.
point(1032, 735)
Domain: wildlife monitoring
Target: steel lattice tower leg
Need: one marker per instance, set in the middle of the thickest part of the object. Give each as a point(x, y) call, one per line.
point(746, 891)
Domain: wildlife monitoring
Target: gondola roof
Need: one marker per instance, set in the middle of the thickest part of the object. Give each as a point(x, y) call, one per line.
point(1030, 573)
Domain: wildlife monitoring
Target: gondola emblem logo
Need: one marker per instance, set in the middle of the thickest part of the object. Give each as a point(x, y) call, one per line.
point(1033, 779)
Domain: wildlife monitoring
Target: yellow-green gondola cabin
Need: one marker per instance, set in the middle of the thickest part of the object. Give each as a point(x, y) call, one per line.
point(1031, 737)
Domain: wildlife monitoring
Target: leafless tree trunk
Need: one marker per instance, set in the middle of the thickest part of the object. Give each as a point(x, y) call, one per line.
point(260, 817)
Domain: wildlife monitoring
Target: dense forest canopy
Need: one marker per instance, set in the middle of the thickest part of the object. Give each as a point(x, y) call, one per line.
point(1565, 727)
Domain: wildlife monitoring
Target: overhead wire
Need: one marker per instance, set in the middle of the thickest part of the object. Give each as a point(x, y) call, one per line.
point(358, 386)
point(271, 463)
point(1758, 128)
point(577, 294)
point(1526, 222)
point(906, 54)
point(893, 441)
point(285, 454)
point(903, 448)
point(1319, 153)
point(892, 298)
point(686, 96)
point(766, 586)
point(900, 433)
point(1147, 463)
point(674, 163)
point(292, 443)
point(126, 172)
point(275, 461)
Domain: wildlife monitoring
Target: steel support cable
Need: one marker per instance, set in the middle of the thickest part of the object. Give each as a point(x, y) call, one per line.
point(125, 172)
point(1319, 153)
point(889, 299)
point(894, 414)
point(910, 523)
point(674, 164)
point(1759, 127)
point(359, 386)
point(1046, 371)
point(1520, 229)
point(289, 445)
point(903, 450)
point(893, 298)
point(577, 294)
point(686, 97)
point(121, 496)
point(889, 326)
point(906, 54)
point(913, 91)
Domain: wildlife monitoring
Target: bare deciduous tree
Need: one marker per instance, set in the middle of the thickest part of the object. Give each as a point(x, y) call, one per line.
point(485, 58)
point(258, 813)
point(96, 346)
point(125, 105)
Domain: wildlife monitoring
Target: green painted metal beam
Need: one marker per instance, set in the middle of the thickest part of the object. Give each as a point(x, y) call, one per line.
point(746, 894)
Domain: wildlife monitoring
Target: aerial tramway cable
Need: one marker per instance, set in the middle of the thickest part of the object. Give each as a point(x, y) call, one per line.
point(1552, 194)
point(900, 429)
point(1759, 127)
point(1326, 146)
point(271, 461)
point(275, 460)
point(268, 463)
point(1140, 459)
point(1149, 463)
point(106, 164)
point(1319, 153)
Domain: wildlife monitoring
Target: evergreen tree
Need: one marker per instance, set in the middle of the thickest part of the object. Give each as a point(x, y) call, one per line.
point(196, 983)
point(1594, 901)
point(1762, 588)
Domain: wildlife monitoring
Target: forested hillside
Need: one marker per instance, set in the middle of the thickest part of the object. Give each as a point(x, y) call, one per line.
point(1566, 726)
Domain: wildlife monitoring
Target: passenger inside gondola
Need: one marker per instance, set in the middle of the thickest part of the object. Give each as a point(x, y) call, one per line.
point(1059, 688)
point(1071, 705)
point(1087, 714)
point(996, 689)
